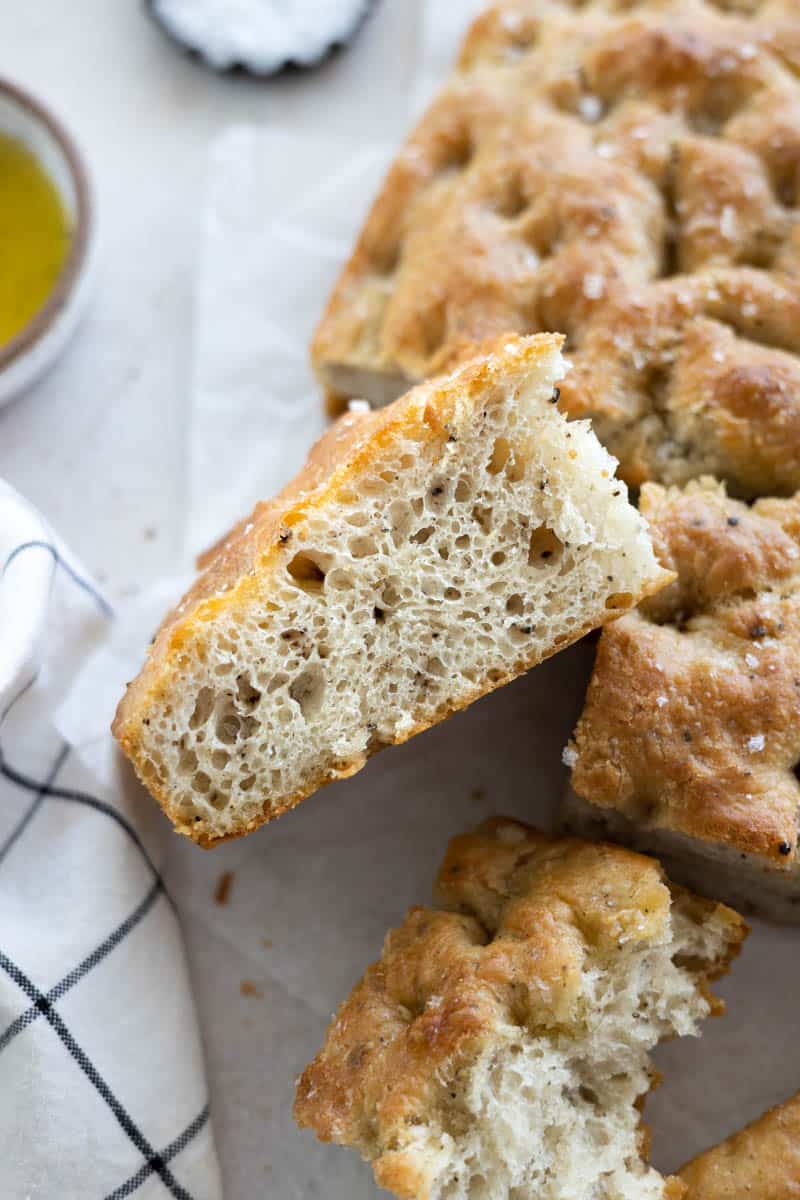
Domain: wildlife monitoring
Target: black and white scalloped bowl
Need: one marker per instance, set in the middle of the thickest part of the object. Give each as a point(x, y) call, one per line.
point(39, 343)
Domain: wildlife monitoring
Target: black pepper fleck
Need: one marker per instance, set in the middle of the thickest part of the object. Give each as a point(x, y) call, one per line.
point(733, 521)
point(784, 848)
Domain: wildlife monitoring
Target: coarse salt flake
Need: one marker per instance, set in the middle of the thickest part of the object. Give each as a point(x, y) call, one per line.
point(727, 223)
point(590, 108)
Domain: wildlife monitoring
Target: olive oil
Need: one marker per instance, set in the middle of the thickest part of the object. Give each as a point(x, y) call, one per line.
point(34, 236)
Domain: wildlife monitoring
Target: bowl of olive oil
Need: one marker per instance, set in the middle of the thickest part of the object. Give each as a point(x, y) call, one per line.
point(45, 239)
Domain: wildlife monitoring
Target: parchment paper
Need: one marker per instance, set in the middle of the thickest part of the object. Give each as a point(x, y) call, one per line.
point(311, 896)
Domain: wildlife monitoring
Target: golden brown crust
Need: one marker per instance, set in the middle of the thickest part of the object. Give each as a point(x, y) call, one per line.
point(761, 1162)
point(605, 172)
point(691, 717)
point(520, 914)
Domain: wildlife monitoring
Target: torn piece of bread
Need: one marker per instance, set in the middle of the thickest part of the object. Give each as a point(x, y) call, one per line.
point(689, 741)
point(427, 553)
point(760, 1162)
point(626, 174)
point(499, 1050)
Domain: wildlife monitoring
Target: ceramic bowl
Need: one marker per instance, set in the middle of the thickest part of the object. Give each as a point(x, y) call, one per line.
point(39, 343)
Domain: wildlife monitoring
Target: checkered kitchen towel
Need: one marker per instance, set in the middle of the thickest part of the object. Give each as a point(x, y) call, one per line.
point(102, 1086)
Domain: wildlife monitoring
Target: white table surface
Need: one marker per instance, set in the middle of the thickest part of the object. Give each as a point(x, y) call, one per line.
point(99, 445)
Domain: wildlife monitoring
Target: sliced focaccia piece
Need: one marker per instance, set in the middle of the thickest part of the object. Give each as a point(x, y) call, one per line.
point(500, 1047)
point(426, 554)
point(689, 741)
point(761, 1162)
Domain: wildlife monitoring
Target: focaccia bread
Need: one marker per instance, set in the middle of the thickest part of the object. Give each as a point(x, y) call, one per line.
point(761, 1162)
point(629, 176)
point(500, 1047)
point(689, 741)
point(426, 554)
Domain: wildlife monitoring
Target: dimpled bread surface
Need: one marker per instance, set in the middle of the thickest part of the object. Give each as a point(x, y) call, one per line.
point(689, 741)
point(428, 553)
point(627, 174)
point(500, 1047)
